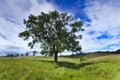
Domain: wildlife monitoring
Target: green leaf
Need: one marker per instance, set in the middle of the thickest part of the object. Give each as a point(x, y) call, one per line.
point(54, 31)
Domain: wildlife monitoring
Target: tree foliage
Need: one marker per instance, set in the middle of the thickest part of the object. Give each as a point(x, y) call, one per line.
point(55, 32)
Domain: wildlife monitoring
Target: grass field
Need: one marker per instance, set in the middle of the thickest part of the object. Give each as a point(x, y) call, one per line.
point(94, 67)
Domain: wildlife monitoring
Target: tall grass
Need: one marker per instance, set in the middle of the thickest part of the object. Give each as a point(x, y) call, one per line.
point(43, 68)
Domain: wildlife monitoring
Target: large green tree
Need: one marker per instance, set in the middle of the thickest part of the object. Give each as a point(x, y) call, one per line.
point(55, 31)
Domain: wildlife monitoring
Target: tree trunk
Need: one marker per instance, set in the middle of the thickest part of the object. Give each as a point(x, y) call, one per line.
point(55, 57)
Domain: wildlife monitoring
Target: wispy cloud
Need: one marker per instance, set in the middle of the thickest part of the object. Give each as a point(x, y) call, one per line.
point(12, 13)
point(104, 24)
point(19, 9)
point(101, 18)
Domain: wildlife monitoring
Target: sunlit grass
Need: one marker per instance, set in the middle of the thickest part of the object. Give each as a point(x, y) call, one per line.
point(43, 68)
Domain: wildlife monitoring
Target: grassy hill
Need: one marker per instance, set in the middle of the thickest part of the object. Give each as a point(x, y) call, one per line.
point(95, 66)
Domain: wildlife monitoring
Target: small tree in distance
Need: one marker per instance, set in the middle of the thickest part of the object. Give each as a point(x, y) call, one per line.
point(34, 52)
point(27, 53)
point(55, 31)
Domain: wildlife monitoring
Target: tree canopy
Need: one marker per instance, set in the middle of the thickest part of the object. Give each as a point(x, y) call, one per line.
point(55, 31)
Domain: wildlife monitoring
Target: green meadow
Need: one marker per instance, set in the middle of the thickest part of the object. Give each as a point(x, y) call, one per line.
point(89, 67)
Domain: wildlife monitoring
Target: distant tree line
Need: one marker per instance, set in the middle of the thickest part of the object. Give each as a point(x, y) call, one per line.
point(14, 55)
point(21, 55)
point(72, 55)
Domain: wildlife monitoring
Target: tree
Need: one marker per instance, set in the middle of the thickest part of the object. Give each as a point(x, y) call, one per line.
point(27, 53)
point(55, 31)
point(22, 55)
point(16, 55)
point(10, 55)
point(34, 52)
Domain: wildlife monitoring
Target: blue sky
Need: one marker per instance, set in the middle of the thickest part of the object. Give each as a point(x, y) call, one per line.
point(101, 20)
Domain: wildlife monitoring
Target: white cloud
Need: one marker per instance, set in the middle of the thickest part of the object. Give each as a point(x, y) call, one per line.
point(38, 7)
point(12, 13)
point(17, 10)
point(9, 32)
point(14, 9)
point(104, 17)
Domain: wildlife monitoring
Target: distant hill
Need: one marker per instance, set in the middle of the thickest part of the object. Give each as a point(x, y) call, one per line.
point(95, 54)
point(117, 51)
